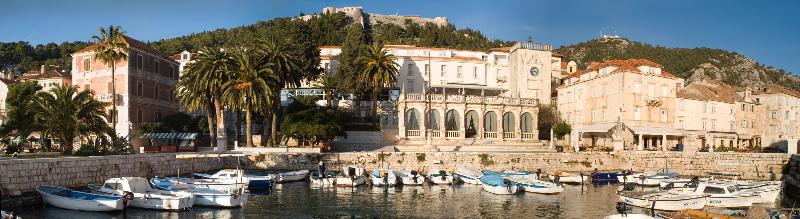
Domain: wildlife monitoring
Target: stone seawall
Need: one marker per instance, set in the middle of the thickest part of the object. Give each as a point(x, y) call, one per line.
point(19, 176)
point(791, 182)
point(748, 165)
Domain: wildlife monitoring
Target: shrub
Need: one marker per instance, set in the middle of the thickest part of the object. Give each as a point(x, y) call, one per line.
point(88, 150)
point(421, 157)
point(486, 160)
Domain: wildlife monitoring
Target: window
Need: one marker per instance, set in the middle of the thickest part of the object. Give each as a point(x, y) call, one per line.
point(87, 64)
point(155, 93)
point(786, 115)
point(87, 87)
point(744, 123)
point(139, 62)
point(139, 87)
point(664, 91)
point(752, 123)
point(139, 117)
point(185, 56)
point(578, 117)
point(651, 90)
point(713, 190)
point(713, 108)
point(604, 114)
point(110, 88)
point(458, 72)
point(744, 107)
point(410, 69)
point(172, 71)
point(442, 70)
point(714, 124)
point(680, 122)
point(410, 86)
point(580, 95)
point(427, 69)
point(752, 108)
point(594, 92)
point(732, 126)
point(474, 72)
point(774, 114)
point(637, 88)
point(704, 124)
point(155, 67)
point(327, 67)
point(158, 116)
point(637, 113)
point(594, 115)
point(663, 116)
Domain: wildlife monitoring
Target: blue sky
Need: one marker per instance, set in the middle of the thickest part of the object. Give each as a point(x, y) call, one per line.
point(768, 31)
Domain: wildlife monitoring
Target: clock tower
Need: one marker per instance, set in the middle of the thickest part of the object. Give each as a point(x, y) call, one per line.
point(532, 68)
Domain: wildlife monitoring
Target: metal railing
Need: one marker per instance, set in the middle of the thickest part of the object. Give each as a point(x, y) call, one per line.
point(490, 135)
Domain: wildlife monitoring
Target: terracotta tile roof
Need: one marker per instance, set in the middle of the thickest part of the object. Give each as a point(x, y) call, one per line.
point(501, 49)
point(175, 57)
point(774, 89)
point(629, 65)
point(564, 64)
point(7, 81)
point(132, 43)
point(37, 74)
point(558, 55)
point(427, 48)
point(330, 47)
point(710, 90)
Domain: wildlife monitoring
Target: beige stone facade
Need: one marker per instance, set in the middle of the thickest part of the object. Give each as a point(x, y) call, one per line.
point(780, 116)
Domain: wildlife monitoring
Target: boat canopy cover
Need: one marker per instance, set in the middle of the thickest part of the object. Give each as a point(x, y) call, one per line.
point(171, 136)
point(604, 127)
point(654, 130)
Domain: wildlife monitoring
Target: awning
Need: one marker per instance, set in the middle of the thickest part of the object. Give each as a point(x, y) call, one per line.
point(596, 128)
point(170, 136)
point(642, 130)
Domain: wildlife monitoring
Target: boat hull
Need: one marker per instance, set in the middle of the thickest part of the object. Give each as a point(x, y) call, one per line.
point(574, 180)
point(162, 203)
point(665, 201)
point(290, 176)
point(350, 182)
point(220, 200)
point(469, 179)
point(439, 181)
point(501, 190)
point(409, 181)
point(605, 178)
point(82, 205)
point(384, 181)
point(741, 201)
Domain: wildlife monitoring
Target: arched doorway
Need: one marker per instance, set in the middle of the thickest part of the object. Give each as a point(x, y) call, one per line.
point(508, 125)
point(412, 123)
point(490, 124)
point(452, 124)
point(471, 124)
point(526, 125)
point(434, 119)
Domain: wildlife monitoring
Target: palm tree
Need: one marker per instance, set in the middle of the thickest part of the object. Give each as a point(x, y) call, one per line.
point(251, 89)
point(327, 84)
point(378, 70)
point(66, 113)
point(202, 84)
point(285, 64)
point(111, 47)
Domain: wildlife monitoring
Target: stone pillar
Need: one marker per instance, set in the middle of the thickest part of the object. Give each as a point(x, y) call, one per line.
point(518, 125)
point(552, 140)
point(641, 143)
point(664, 142)
point(463, 122)
point(401, 123)
point(481, 125)
point(791, 148)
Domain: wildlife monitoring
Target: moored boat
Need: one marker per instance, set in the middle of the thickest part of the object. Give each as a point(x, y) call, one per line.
point(529, 183)
point(411, 178)
point(207, 196)
point(352, 176)
point(293, 176)
point(496, 184)
point(253, 182)
point(568, 178)
point(144, 194)
point(664, 201)
point(605, 177)
point(82, 201)
point(321, 180)
point(383, 177)
point(440, 177)
point(188, 183)
point(469, 175)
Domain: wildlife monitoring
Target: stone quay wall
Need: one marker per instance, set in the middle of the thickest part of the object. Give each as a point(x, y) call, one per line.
point(748, 165)
point(18, 176)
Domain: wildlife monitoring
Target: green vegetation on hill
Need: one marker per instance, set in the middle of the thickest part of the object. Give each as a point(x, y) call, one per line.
point(687, 63)
point(21, 56)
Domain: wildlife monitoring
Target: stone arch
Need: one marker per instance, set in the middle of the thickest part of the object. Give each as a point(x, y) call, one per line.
point(490, 121)
point(452, 121)
point(508, 122)
point(435, 119)
point(526, 122)
point(412, 119)
point(471, 122)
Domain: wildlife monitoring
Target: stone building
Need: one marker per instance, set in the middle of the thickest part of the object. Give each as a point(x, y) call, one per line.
point(47, 79)
point(145, 85)
point(707, 114)
point(358, 15)
point(780, 116)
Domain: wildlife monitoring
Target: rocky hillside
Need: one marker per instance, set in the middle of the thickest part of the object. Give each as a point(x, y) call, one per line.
point(688, 63)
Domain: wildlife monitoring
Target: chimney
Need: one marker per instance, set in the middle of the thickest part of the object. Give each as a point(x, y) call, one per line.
point(41, 71)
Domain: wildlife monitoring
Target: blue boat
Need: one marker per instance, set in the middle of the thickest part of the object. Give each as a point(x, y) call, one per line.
point(603, 178)
point(82, 201)
point(499, 185)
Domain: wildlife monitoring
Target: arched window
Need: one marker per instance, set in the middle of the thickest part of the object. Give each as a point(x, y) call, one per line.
point(412, 119)
point(435, 118)
point(452, 121)
point(490, 122)
point(508, 122)
point(526, 123)
point(471, 124)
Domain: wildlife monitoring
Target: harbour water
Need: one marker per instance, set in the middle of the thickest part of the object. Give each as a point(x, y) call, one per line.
point(298, 200)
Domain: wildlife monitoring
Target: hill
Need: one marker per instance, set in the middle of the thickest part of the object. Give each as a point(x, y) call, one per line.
point(688, 63)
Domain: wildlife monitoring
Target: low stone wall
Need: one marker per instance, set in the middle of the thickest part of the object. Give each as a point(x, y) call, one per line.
point(748, 165)
point(19, 176)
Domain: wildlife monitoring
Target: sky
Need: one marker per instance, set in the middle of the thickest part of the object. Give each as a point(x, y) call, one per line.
point(767, 31)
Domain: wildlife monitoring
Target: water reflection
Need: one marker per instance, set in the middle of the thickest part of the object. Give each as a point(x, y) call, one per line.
point(298, 200)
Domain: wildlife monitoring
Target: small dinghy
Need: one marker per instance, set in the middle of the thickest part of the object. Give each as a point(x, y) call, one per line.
point(496, 184)
point(440, 177)
point(325, 180)
point(383, 177)
point(469, 175)
point(352, 176)
point(81, 201)
point(293, 176)
point(144, 194)
point(206, 196)
point(531, 184)
point(411, 178)
point(568, 178)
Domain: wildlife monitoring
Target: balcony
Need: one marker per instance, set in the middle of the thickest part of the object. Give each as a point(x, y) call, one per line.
point(470, 99)
point(508, 135)
point(527, 135)
point(107, 98)
point(653, 101)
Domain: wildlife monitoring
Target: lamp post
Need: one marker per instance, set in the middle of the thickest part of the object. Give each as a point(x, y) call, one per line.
point(428, 130)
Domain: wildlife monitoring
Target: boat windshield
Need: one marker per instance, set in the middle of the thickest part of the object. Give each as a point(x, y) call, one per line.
point(733, 188)
point(713, 190)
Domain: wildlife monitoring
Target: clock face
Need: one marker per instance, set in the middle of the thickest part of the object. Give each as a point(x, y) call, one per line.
point(534, 71)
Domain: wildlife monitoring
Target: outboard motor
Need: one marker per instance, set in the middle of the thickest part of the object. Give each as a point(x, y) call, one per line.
point(414, 175)
point(669, 186)
point(622, 209)
point(693, 182)
point(508, 184)
point(444, 174)
point(351, 171)
point(538, 174)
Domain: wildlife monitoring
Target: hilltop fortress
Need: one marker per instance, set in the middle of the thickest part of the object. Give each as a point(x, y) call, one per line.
point(358, 15)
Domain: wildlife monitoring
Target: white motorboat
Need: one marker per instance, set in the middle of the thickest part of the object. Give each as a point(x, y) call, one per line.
point(496, 184)
point(238, 176)
point(352, 176)
point(469, 175)
point(293, 176)
point(628, 177)
point(721, 194)
point(383, 177)
point(411, 178)
point(529, 183)
point(663, 201)
point(82, 201)
point(144, 194)
point(440, 177)
point(207, 196)
point(189, 183)
point(569, 178)
point(767, 191)
point(328, 179)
